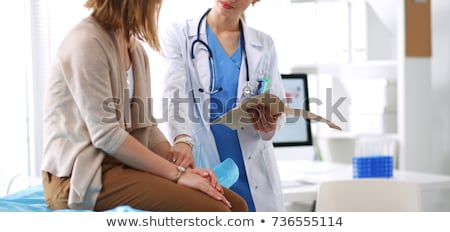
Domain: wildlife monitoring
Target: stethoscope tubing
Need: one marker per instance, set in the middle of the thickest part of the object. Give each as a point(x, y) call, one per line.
point(212, 89)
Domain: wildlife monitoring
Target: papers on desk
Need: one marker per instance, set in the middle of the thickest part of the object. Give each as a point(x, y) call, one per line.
point(304, 173)
point(296, 183)
point(306, 167)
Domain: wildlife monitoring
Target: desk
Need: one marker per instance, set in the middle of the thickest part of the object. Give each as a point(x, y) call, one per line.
point(300, 179)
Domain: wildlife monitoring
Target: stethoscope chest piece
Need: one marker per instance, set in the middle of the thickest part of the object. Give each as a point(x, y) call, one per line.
point(248, 91)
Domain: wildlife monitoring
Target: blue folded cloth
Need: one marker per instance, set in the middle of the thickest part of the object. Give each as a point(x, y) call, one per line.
point(28, 200)
point(227, 173)
point(32, 199)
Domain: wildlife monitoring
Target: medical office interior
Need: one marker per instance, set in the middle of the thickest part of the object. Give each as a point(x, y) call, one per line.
point(388, 89)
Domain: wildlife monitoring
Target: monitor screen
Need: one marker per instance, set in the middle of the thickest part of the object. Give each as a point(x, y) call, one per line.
point(297, 130)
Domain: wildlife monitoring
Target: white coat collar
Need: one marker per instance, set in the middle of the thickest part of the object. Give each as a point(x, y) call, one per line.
point(254, 46)
point(251, 38)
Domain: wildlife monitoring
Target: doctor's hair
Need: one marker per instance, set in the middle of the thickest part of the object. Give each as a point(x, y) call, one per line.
point(138, 18)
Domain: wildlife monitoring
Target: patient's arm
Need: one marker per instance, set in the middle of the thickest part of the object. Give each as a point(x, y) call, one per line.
point(162, 149)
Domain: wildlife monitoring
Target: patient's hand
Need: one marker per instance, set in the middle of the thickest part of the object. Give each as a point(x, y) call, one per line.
point(209, 175)
point(193, 180)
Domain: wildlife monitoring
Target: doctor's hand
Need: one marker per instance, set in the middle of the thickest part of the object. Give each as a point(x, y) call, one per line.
point(262, 118)
point(192, 180)
point(181, 154)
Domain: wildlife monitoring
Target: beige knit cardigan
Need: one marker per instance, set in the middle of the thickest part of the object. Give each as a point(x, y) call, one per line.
point(87, 111)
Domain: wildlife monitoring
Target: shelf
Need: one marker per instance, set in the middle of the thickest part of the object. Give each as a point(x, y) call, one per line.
point(386, 69)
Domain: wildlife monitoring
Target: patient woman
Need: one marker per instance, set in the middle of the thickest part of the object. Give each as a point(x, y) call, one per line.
point(102, 146)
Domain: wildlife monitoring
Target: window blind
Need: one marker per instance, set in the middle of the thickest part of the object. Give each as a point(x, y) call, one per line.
point(48, 23)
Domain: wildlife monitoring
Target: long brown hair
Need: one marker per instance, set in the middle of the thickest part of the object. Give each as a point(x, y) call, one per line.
point(138, 18)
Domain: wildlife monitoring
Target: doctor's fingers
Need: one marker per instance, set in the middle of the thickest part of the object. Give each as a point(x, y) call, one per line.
point(267, 127)
point(268, 115)
point(181, 156)
point(254, 114)
point(261, 112)
point(262, 120)
point(186, 162)
point(264, 125)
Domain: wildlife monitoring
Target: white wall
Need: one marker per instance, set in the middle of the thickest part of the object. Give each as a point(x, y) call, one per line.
point(13, 117)
point(425, 113)
point(440, 84)
point(440, 107)
point(425, 119)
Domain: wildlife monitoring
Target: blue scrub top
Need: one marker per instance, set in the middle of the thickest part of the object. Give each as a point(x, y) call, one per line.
point(227, 71)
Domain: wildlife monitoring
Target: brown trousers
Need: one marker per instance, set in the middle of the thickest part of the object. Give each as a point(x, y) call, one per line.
point(123, 185)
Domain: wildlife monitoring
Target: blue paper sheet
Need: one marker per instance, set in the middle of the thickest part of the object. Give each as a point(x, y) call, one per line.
point(32, 199)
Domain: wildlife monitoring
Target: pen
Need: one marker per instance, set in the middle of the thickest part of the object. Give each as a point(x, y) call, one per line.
point(263, 85)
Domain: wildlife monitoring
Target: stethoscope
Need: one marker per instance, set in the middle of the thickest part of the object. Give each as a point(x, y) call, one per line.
point(248, 90)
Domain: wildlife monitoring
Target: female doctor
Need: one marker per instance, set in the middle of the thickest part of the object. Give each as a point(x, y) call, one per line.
point(213, 63)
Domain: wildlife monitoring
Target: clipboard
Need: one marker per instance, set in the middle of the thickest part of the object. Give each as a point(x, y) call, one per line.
point(238, 117)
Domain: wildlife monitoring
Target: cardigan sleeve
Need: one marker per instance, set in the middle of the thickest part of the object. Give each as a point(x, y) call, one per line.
point(87, 70)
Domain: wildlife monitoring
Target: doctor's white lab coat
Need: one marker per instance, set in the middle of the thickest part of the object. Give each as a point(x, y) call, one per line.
point(189, 107)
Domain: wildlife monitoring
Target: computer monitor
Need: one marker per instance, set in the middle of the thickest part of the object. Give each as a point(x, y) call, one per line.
point(294, 140)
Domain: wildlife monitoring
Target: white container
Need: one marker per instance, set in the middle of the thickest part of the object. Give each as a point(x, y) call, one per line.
point(337, 149)
point(373, 123)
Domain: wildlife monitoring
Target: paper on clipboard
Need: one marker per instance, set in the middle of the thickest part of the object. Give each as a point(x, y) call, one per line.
point(238, 117)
